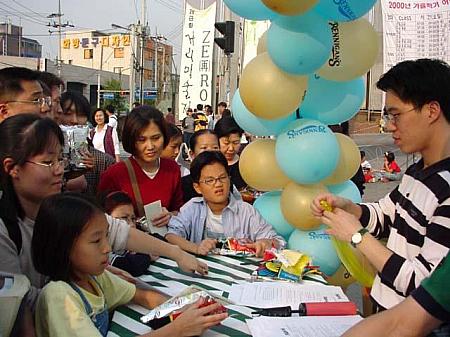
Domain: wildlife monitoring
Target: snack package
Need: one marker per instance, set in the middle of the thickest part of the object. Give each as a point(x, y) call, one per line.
point(172, 308)
point(286, 265)
point(233, 247)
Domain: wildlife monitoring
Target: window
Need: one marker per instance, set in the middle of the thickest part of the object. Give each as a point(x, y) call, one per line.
point(118, 53)
point(117, 70)
point(88, 53)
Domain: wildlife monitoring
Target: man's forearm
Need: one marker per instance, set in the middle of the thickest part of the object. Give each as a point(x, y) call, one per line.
point(141, 242)
point(182, 243)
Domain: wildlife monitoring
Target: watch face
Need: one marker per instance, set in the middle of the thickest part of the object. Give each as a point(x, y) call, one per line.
point(356, 238)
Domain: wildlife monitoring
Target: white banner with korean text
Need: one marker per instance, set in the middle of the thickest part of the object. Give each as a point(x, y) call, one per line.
point(415, 29)
point(196, 58)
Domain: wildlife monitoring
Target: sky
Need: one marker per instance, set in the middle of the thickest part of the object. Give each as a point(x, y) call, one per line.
point(164, 17)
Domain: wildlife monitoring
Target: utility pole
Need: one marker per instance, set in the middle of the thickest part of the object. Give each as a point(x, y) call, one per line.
point(58, 25)
point(143, 32)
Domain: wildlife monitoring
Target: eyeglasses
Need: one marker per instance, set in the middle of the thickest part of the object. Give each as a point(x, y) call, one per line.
point(54, 165)
point(212, 181)
point(42, 101)
point(393, 118)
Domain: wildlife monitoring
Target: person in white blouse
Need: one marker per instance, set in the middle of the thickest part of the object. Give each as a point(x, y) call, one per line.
point(103, 136)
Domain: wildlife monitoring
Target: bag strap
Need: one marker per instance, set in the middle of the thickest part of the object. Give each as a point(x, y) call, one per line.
point(134, 185)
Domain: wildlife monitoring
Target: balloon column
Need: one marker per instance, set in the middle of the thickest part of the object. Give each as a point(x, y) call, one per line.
point(306, 76)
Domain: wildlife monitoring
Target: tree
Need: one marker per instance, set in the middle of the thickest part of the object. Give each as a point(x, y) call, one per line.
point(118, 102)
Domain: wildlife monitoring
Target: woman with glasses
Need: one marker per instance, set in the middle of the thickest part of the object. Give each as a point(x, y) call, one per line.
point(204, 221)
point(103, 136)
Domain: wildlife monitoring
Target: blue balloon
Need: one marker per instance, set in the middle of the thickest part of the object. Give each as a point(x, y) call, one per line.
point(317, 244)
point(268, 205)
point(307, 151)
point(250, 9)
point(343, 10)
point(304, 50)
point(332, 102)
point(347, 190)
point(255, 125)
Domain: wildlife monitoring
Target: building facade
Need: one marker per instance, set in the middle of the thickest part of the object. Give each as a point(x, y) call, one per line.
point(12, 42)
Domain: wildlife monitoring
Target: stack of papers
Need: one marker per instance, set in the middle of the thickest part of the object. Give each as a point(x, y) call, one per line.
point(280, 294)
point(307, 326)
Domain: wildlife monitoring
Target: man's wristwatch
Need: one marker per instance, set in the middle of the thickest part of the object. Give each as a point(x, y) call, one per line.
point(358, 236)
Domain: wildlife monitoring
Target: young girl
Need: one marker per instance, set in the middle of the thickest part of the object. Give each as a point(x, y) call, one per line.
point(216, 215)
point(103, 136)
point(172, 149)
point(391, 170)
point(119, 205)
point(70, 246)
point(145, 136)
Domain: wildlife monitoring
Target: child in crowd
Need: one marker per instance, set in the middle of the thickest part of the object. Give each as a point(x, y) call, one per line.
point(216, 215)
point(200, 141)
point(71, 247)
point(119, 205)
point(391, 170)
point(366, 167)
point(172, 149)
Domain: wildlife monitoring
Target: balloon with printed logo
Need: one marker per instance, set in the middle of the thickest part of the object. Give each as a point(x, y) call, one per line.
point(269, 206)
point(347, 190)
point(317, 244)
point(290, 7)
point(259, 168)
point(332, 102)
point(355, 262)
point(342, 278)
point(295, 204)
point(304, 50)
point(343, 10)
point(307, 151)
point(349, 161)
point(267, 91)
point(262, 44)
point(250, 9)
point(254, 125)
point(354, 52)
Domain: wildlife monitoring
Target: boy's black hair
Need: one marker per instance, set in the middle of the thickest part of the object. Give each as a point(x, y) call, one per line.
point(138, 119)
point(60, 220)
point(110, 108)
point(193, 139)
point(111, 200)
point(362, 153)
point(419, 82)
point(82, 106)
point(173, 131)
point(206, 158)
point(390, 156)
point(10, 81)
point(227, 126)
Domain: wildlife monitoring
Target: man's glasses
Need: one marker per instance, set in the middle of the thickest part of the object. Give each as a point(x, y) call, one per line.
point(212, 181)
point(54, 165)
point(393, 118)
point(42, 101)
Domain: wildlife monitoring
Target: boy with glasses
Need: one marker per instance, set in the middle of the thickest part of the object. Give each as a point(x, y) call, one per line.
point(217, 214)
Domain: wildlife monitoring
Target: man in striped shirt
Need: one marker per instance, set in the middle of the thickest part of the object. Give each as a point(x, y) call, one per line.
point(415, 217)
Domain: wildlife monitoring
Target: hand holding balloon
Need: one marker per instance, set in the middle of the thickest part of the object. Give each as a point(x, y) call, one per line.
point(327, 202)
point(342, 225)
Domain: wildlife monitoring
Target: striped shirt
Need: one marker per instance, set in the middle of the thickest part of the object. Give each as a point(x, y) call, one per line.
point(416, 219)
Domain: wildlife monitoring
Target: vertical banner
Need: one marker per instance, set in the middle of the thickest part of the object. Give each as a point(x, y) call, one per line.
point(196, 58)
point(253, 30)
point(415, 29)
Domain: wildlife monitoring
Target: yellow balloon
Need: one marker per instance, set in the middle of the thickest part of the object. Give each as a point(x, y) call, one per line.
point(341, 278)
point(349, 161)
point(295, 204)
point(355, 50)
point(267, 91)
point(290, 7)
point(262, 44)
point(355, 262)
point(258, 166)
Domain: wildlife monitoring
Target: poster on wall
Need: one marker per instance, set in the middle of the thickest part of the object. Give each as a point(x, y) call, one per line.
point(196, 58)
point(253, 30)
point(415, 29)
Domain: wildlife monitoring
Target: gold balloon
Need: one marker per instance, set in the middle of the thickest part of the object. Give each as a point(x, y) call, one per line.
point(290, 7)
point(349, 161)
point(262, 44)
point(267, 91)
point(258, 166)
point(295, 204)
point(341, 278)
point(355, 50)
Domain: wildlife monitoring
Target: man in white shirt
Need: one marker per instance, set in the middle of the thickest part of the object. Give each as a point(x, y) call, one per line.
point(110, 111)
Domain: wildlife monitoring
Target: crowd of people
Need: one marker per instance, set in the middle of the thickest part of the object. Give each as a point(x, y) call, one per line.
point(75, 234)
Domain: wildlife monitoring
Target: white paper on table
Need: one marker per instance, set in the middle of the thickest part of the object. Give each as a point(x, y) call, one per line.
point(277, 294)
point(306, 326)
point(151, 210)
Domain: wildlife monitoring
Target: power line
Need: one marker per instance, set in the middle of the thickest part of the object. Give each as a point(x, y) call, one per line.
point(18, 3)
point(25, 16)
point(170, 6)
point(22, 17)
